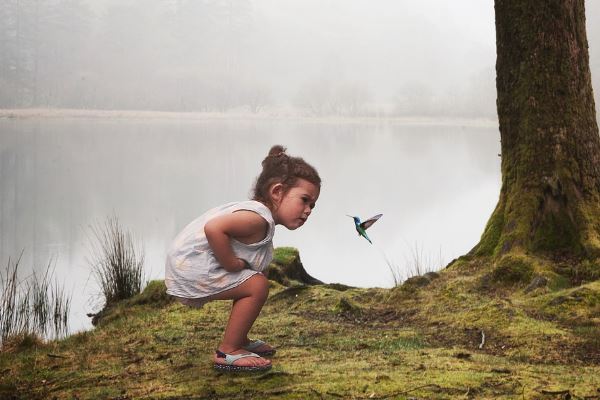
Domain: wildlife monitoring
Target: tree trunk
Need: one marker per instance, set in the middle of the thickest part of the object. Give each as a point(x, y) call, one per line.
point(549, 203)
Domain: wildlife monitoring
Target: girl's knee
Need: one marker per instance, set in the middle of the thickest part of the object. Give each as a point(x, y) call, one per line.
point(259, 285)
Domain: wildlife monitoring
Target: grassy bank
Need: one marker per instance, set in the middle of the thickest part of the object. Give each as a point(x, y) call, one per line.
point(441, 336)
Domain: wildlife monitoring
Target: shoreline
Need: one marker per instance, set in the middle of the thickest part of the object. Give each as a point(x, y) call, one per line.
point(70, 113)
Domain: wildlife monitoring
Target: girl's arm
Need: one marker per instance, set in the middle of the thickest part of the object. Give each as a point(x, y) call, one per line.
point(245, 226)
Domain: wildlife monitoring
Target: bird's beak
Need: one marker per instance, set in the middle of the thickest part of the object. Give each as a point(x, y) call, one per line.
point(349, 216)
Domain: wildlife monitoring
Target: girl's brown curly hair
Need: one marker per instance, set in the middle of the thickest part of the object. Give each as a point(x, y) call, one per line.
point(279, 167)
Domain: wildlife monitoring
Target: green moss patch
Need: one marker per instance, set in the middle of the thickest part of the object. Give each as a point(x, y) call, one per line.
point(511, 270)
point(448, 340)
point(285, 255)
point(155, 293)
point(556, 231)
point(347, 307)
point(287, 269)
point(492, 233)
point(586, 271)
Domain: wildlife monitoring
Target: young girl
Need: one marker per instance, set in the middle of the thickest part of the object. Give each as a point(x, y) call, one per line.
point(221, 254)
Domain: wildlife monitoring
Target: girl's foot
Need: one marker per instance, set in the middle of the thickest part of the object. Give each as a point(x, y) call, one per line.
point(259, 347)
point(242, 362)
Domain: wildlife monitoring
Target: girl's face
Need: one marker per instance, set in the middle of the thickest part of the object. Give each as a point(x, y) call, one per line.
point(293, 207)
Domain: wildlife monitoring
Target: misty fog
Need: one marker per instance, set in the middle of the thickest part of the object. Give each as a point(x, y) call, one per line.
point(327, 57)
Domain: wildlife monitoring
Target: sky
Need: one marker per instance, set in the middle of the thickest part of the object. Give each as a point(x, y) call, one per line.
point(387, 43)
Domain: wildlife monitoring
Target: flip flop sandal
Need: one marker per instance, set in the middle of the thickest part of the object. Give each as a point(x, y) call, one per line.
point(231, 358)
point(254, 344)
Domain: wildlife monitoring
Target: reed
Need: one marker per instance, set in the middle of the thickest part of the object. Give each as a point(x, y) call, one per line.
point(34, 306)
point(417, 263)
point(115, 262)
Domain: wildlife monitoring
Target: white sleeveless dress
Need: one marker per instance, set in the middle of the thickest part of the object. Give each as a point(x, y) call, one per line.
point(193, 272)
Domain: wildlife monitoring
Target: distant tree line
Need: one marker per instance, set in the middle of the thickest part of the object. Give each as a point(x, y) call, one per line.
point(43, 47)
point(183, 55)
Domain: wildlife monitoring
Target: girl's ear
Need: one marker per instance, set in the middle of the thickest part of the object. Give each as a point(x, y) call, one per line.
point(276, 192)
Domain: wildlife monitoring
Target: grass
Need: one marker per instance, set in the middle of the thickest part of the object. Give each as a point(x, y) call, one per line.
point(417, 263)
point(333, 342)
point(284, 255)
point(116, 263)
point(30, 308)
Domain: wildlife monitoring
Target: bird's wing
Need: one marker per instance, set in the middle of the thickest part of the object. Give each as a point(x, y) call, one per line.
point(370, 221)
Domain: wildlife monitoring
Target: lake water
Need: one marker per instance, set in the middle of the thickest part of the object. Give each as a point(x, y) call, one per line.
point(435, 183)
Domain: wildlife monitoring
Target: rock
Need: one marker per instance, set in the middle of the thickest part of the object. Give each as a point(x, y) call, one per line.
point(557, 300)
point(346, 307)
point(287, 269)
point(536, 282)
point(463, 356)
point(340, 287)
point(431, 275)
point(421, 280)
point(417, 281)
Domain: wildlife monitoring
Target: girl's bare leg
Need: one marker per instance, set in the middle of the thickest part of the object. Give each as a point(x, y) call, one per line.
point(248, 299)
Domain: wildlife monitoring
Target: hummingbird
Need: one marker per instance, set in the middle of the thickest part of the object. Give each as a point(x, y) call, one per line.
point(362, 227)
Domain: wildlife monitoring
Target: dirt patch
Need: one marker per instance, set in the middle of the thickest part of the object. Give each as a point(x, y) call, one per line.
point(476, 339)
point(588, 349)
point(371, 317)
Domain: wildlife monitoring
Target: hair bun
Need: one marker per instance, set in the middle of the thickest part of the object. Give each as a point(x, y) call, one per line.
point(279, 167)
point(277, 150)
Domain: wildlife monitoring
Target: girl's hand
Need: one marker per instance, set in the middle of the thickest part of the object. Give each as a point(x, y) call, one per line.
point(238, 266)
point(244, 226)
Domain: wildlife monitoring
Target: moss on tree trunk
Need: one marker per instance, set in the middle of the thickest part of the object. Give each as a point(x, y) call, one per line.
point(550, 198)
